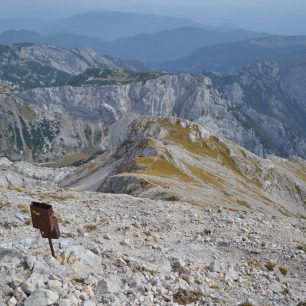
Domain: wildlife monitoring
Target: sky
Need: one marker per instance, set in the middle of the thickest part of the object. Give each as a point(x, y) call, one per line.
point(277, 16)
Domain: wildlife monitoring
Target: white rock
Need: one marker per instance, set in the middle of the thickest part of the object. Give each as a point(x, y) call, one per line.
point(275, 287)
point(215, 266)
point(65, 302)
point(54, 284)
point(109, 285)
point(34, 282)
point(120, 262)
point(41, 297)
point(12, 301)
point(88, 303)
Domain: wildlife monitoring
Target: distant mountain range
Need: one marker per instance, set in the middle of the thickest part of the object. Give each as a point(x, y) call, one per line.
point(148, 48)
point(105, 25)
point(229, 58)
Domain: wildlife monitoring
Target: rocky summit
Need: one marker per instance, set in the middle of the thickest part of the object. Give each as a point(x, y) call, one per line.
point(209, 223)
point(121, 250)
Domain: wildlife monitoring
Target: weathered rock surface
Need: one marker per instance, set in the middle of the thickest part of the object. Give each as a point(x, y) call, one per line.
point(177, 253)
point(254, 109)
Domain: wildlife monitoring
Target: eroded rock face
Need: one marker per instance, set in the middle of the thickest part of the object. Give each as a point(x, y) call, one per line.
point(69, 119)
point(260, 109)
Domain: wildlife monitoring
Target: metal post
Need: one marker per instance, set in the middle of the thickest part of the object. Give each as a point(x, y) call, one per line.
point(51, 247)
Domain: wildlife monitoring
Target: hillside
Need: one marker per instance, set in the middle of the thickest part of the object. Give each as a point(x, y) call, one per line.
point(35, 65)
point(121, 250)
point(145, 47)
point(228, 234)
point(175, 159)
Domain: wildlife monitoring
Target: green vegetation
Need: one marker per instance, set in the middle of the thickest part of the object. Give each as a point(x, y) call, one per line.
point(74, 160)
point(244, 203)
point(211, 147)
point(24, 208)
point(270, 266)
point(111, 76)
point(157, 166)
point(283, 270)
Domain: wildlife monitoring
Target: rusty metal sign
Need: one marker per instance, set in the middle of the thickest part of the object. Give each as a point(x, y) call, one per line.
point(43, 218)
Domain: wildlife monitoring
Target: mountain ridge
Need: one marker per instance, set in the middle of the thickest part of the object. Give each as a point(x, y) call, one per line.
point(143, 47)
point(229, 58)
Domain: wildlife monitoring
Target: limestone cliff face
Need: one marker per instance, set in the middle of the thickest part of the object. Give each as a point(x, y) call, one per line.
point(33, 133)
point(256, 115)
point(56, 102)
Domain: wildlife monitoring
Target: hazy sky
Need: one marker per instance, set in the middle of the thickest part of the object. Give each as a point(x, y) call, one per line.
point(262, 15)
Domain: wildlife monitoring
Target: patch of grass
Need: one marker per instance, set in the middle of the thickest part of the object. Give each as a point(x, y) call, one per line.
point(285, 212)
point(244, 203)
point(270, 266)
point(246, 304)
point(24, 208)
point(206, 177)
point(67, 161)
point(283, 270)
point(255, 263)
point(173, 198)
point(59, 197)
point(28, 222)
point(211, 147)
point(67, 235)
point(19, 189)
point(157, 166)
point(302, 247)
point(90, 227)
point(214, 286)
point(186, 297)
point(4, 205)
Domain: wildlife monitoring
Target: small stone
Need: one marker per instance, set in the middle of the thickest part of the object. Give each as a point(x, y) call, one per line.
point(34, 282)
point(232, 274)
point(229, 221)
point(120, 262)
point(277, 288)
point(215, 266)
point(65, 302)
point(83, 296)
point(136, 225)
point(188, 278)
point(41, 297)
point(256, 251)
point(178, 264)
point(88, 303)
point(88, 290)
point(109, 285)
point(107, 237)
point(54, 284)
point(125, 242)
point(12, 301)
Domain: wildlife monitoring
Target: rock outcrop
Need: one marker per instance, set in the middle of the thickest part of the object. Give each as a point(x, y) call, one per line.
point(174, 159)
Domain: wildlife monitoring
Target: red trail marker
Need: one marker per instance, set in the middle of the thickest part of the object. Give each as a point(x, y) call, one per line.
point(43, 218)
